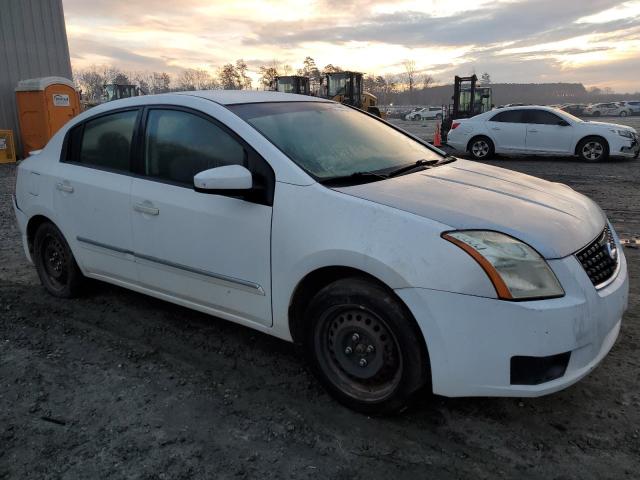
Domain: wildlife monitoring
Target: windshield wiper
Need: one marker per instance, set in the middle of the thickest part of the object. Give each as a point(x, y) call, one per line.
point(372, 176)
point(422, 164)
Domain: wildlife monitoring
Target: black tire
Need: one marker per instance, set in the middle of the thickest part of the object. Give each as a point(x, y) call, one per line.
point(439, 116)
point(593, 149)
point(481, 148)
point(55, 264)
point(595, 114)
point(623, 113)
point(365, 347)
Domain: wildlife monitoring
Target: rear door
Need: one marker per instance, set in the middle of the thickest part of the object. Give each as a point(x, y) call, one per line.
point(508, 131)
point(210, 250)
point(92, 191)
point(547, 132)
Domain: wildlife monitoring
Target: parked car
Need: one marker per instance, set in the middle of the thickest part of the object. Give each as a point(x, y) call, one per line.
point(432, 113)
point(541, 131)
point(414, 114)
point(633, 106)
point(606, 110)
point(393, 266)
point(574, 108)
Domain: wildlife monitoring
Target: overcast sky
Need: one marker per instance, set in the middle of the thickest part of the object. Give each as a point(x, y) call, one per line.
point(596, 42)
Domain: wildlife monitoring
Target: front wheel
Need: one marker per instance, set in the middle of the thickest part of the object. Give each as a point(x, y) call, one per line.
point(56, 267)
point(623, 113)
point(481, 148)
point(364, 346)
point(593, 149)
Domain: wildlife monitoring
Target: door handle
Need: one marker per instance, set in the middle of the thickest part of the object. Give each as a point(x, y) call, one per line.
point(495, 128)
point(64, 187)
point(532, 131)
point(147, 208)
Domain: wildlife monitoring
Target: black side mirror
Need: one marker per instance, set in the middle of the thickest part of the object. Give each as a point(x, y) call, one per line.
point(563, 123)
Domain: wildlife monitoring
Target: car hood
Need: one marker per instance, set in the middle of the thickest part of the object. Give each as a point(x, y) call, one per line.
point(609, 126)
point(551, 217)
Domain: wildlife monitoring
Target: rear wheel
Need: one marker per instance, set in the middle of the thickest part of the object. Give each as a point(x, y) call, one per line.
point(56, 267)
point(596, 114)
point(623, 113)
point(364, 347)
point(593, 149)
point(481, 148)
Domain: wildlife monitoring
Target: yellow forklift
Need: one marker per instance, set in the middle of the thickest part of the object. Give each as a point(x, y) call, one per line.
point(348, 88)
point(114, 91)
point(469, 99)
point(292, 84)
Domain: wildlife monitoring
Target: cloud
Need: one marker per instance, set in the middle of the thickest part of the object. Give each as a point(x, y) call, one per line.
point(515, 40)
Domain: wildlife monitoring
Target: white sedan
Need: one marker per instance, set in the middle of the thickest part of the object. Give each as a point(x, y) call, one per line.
point(536, 130)
point(393, 266)
point(425, 113)
point(610, 109)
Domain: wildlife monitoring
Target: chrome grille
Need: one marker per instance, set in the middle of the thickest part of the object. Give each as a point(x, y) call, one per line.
point(600, 258)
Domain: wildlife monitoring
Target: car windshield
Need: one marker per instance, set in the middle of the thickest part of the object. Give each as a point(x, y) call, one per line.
point(330, 140)
point(564, 113)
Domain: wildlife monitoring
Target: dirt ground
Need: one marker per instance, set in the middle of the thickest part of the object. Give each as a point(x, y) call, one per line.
point(119, 385)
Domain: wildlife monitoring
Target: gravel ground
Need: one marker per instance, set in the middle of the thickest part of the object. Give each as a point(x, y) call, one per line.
point(119, 385)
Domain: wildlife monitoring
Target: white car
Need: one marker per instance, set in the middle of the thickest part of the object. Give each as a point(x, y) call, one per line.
point(425, 113)
point(393, 266)
point(611, 109)
point(633, 106)
point(538, 130)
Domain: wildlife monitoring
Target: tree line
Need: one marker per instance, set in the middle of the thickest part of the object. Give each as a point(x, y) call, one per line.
point(409, 86)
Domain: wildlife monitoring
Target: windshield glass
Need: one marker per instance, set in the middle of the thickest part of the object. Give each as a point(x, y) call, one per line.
point(564, 113)
point(331, 140)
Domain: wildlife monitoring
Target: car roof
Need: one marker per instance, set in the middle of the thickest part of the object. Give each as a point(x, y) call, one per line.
point(232, 97)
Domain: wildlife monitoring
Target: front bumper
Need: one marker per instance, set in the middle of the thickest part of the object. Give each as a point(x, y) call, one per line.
point(625, 147)
point(472, 340)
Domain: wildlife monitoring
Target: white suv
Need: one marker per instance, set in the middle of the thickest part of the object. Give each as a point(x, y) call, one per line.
point(425, 113)
point(537, 130)
point(393, 266)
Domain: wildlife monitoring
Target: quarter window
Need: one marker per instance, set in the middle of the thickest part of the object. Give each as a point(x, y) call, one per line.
point(106, 141)
point(541, 117)
point(178, 145)
point(509, 116)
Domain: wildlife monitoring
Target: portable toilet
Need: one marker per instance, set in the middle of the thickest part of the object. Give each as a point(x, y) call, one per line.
point(44, 106)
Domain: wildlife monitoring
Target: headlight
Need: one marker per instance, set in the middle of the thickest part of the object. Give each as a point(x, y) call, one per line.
point(516, 270)
point(624, 133)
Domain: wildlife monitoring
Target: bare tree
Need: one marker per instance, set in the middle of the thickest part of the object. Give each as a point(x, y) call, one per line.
point(410, 73)
point(427, 81)
point(194, 79)
point(331, 69)
point(268, 75)
point(229, 78)
point(485, 78)
point(244, 80)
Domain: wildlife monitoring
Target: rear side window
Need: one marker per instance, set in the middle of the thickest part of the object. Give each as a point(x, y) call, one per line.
point(541, 117)
point(178, 145)
point(106, 141)
point(510, 116)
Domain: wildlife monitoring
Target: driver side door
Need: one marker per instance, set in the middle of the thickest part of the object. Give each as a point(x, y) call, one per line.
point(210, 250)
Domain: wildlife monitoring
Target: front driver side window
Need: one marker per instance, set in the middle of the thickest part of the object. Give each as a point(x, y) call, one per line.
point(178, 145)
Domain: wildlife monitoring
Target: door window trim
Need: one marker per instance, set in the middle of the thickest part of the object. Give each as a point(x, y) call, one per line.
point(72, 155)
point(251, 155)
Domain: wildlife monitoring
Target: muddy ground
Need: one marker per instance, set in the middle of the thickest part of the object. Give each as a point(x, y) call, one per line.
point(119, 385)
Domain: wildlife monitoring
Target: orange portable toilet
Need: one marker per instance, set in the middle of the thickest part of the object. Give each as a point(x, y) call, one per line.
point(44, 106)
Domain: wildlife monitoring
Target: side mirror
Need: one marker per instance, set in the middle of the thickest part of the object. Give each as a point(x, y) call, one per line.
point(230, 179)
point(563, 123)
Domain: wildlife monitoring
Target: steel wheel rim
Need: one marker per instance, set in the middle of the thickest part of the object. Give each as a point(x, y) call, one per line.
point(358, 352)
point(480, 149)
point(592, 150)
point(54, 261)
